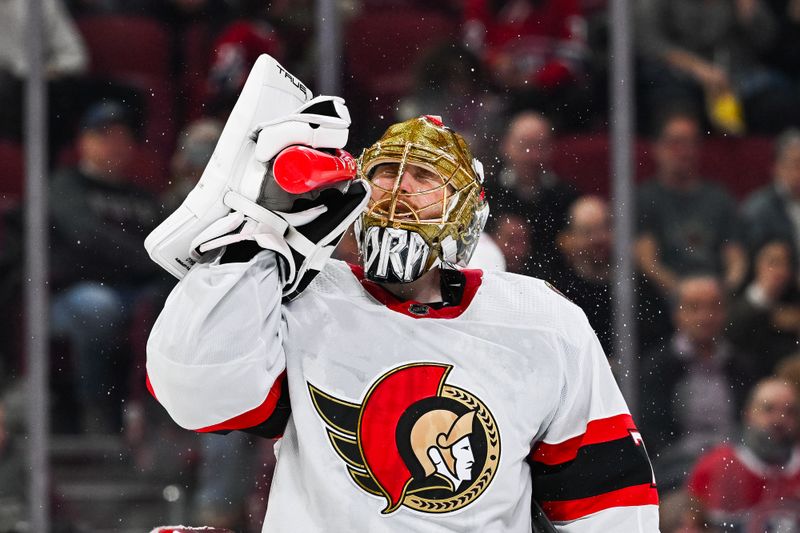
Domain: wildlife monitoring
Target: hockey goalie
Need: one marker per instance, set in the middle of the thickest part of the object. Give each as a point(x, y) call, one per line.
point(409, 392)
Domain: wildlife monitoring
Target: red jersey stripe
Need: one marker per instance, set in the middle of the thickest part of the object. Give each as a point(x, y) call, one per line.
point(597, 431)
point(473, 279)
point(561, 511)
point(254, 416)
point(150, 386)
point(251, 418)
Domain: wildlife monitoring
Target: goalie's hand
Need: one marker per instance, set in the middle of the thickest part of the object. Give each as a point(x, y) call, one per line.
point(304, 238)
point(285, 144)
point(302, 229)
point(298, 172)
point(237, 227)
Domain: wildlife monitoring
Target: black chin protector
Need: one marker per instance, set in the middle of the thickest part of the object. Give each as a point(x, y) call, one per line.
point(393, 255)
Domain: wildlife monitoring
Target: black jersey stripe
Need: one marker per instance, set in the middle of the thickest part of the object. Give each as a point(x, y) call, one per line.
point(597, 469)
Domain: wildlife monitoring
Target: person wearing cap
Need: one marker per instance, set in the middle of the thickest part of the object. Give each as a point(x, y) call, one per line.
point(98, 218)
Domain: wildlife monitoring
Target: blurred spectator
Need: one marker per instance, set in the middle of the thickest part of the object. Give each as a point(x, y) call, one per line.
point(530, 189)
point(586, 279)
point(236, 49)
point(765, 318)
point(196, 143)
point(755, 485)
point(694, 384)
point(65, 58)
point(773, 212)
point(786, 49)
point(449, 82)
point(536, 49)
point(99, 266)
point(687, 225)
point(711, 51)
point(512, 235)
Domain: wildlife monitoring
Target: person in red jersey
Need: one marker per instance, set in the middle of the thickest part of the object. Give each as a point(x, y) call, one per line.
point(756, 482)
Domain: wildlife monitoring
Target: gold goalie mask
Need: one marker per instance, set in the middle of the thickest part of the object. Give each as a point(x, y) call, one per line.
point(427, 207)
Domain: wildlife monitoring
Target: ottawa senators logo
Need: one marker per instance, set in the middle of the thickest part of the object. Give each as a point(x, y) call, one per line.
point(414, 440)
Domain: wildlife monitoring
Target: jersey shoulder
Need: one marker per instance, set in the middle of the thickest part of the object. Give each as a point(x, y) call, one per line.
point(336, 278)
point(529, 300)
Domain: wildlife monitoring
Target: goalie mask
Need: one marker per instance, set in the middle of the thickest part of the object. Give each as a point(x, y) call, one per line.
point(427, 207)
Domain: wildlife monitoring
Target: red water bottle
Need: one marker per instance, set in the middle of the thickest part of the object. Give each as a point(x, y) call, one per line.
point(299, 169)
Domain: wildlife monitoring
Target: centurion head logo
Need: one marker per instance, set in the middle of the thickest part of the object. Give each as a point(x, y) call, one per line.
point(414, 440)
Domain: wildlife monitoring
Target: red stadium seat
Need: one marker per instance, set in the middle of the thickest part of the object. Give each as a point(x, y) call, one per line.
point(124, 46)
point(12, 172)
point(741, 165)
point(381, 48)
point(160, 118)
point(151, 170)
point(196, 52)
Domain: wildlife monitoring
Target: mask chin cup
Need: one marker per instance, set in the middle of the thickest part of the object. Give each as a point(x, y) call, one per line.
point(392, 255)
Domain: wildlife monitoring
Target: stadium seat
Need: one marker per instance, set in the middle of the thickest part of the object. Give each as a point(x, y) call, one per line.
point(196, 54)
point(12, 175)
point(382, 47)
point(741, 165)
point(125, 46)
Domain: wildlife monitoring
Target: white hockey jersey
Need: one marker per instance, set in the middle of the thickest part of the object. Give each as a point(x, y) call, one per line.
point(400, 417)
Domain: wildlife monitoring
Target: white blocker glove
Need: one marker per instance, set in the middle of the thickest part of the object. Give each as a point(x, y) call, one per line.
point(274, 111)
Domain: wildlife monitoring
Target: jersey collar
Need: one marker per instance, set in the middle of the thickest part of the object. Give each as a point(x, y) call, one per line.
point(414, 309)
